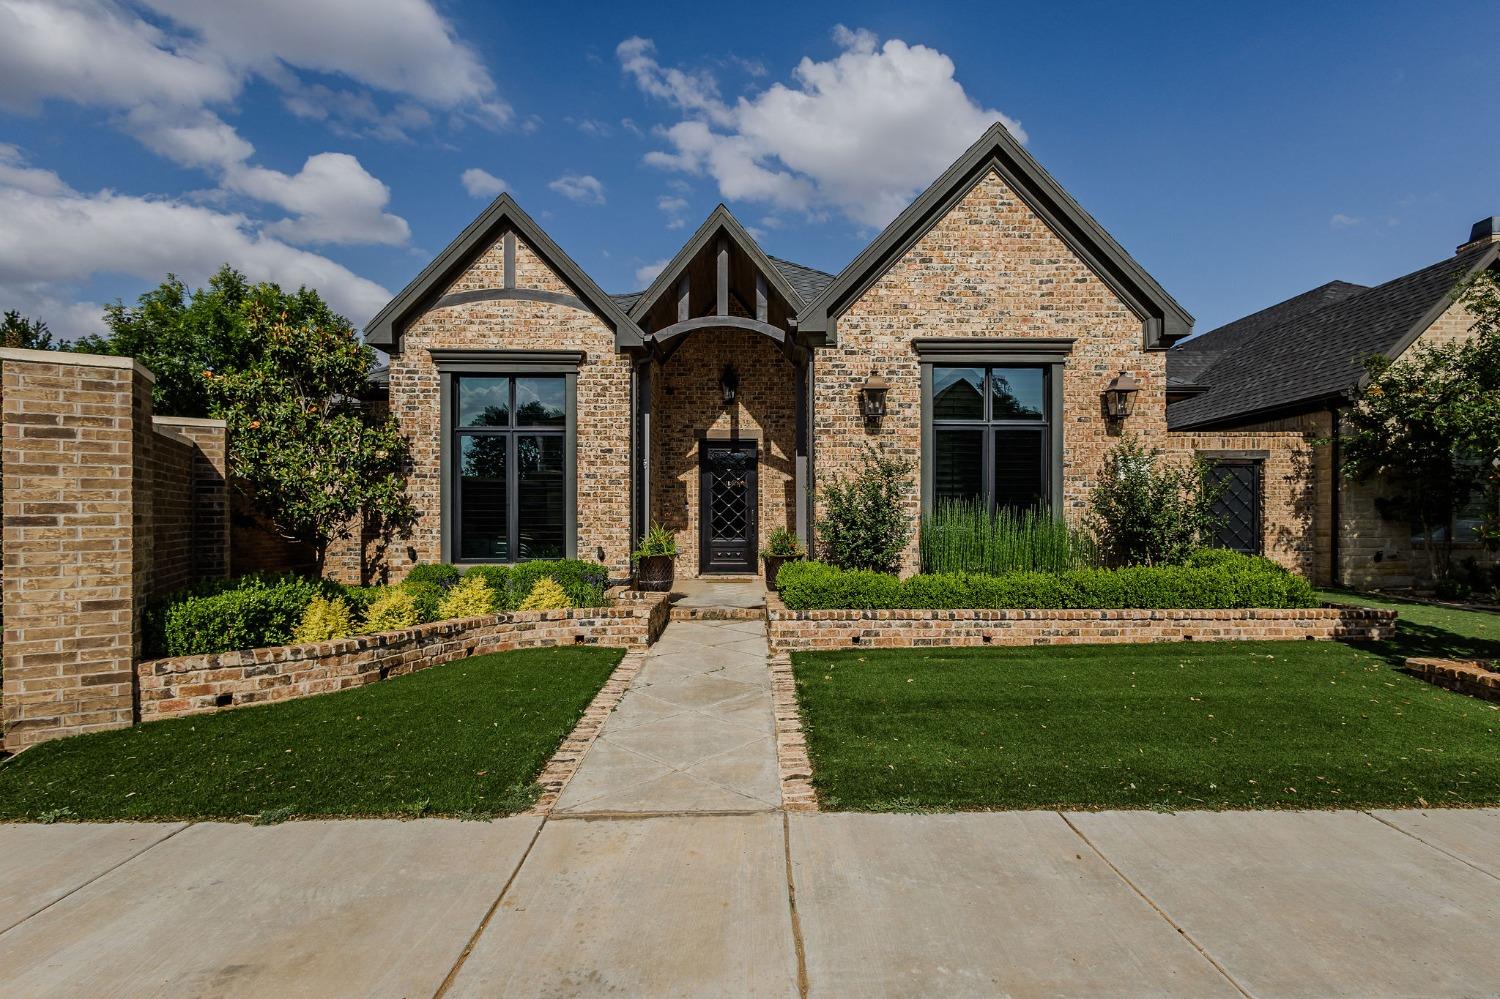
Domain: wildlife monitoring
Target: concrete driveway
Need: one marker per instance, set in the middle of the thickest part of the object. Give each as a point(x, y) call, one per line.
point(766, 903)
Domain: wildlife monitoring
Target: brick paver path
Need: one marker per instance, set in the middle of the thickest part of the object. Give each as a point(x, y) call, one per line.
point(694, 732)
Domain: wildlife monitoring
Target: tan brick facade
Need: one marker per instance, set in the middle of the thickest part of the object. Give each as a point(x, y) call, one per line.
point(991, 268)
point(688, 407)
point(102, 509)
point(603, 417)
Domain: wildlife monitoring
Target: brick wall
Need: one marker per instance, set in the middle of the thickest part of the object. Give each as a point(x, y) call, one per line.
point(197, 684)
point(96, 501)
point(256, 545)
point(804, 631)
point(990, 268)
point(688, 406)
point(206, 534)
point(603, 417)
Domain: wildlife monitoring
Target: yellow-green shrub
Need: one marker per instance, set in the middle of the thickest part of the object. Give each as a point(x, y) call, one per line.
point(392, 610)
point(546, 594)
point(470, 598)
point(323, 620)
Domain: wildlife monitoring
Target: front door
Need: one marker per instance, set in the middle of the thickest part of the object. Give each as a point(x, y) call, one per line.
point(726, 506)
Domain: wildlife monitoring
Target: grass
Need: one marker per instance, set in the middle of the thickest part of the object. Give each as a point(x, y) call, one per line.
point(964, 536)
point(1214, 725)
point(465, 738)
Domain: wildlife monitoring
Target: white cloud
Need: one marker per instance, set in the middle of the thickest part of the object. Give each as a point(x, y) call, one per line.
point(481, 183)
point(14, 173)
point(584, 189)
point(647, 273)
point(52, 238)
point(674, 207)
point(333, 200)
point(862, 133)
point(1342, 221)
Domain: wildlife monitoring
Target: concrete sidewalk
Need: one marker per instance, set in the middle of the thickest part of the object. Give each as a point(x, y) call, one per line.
point(1013, 903)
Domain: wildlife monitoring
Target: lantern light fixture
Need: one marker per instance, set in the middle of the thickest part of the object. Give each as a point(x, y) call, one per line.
point(729, 384)
point(1119, 397)
point(872, 396)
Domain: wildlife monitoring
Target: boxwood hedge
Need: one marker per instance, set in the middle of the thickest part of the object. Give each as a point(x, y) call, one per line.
point(1209, 580)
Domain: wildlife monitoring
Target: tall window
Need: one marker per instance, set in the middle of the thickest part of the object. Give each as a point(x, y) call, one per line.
point(991, 437)
point(509, 437)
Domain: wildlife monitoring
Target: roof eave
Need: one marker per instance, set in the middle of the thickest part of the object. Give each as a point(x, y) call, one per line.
point(1164, 321)
point(384, 330)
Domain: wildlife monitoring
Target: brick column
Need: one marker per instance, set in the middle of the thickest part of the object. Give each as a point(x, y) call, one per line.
point(77, 540)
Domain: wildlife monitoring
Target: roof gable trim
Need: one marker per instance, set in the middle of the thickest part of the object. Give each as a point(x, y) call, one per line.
point(1163, 321)
point(502, 215)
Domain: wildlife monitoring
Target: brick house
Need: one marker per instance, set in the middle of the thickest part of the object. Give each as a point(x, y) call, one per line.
point(548, 418)
point(1292, 367)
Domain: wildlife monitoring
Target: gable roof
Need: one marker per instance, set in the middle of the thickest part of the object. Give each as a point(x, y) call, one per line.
point(1314, 354)
point(809, 281)
point(1163, 320)
point(721, 219)
point(503, 213)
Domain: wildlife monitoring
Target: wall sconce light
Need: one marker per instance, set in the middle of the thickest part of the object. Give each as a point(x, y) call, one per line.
point(729, 384)
point(1119, 397)
point(872, 396)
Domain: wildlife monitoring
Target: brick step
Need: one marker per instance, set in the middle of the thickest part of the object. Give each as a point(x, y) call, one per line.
point(718, 613)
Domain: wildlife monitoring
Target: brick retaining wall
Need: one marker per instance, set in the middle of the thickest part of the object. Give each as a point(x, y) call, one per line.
point(1465, 676)
point(804, 631)
point(188, 685)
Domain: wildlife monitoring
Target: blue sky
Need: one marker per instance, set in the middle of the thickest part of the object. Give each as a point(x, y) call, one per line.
point(1242, 153)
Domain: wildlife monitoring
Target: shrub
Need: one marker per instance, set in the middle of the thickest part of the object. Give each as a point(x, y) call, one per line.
point(470, 598)
point(1148, 513)
point(658, 542)
point(359, 598)
point(782, 543)
point(1238, 581)
point(583, 582)
point(963, 536)
point(496, 576)
point(324, 619)
point(250, 612)
point(395, 609)
point(426, 597)
point(865, 525)
point(439, 574)
point(547, 594)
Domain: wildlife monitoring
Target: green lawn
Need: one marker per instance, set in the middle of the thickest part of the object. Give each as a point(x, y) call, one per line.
point(464, 738)
point(1213, 725)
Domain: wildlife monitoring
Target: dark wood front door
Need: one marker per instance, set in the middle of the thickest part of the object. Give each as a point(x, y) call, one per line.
point(727, 506)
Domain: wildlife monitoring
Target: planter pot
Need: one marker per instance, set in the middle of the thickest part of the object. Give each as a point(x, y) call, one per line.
point(655, 573)
point(773, 564)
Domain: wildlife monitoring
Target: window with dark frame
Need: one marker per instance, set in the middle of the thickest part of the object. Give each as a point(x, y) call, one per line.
point(509, 491)
point(991, 435)
point(1236, 486)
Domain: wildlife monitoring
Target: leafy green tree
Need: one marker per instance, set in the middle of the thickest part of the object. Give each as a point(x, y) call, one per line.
point(29, 334)
point(1426, 427)
point(179, 334)
point(1146, 511)
point(300, 445)
point(865, 523)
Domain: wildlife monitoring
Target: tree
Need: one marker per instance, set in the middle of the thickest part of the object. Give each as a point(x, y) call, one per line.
point(1146, 512)
point(865, 523)
point(1427, 426)
point(180, 334)
point(29, 334)
point(299, 443)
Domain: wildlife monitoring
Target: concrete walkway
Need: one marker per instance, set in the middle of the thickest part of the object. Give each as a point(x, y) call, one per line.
point(1021, 904)
point(693, 733)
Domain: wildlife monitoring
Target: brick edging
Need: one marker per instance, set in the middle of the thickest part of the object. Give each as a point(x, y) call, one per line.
point(793, 766)
point(570, 753)
point(1461, 675)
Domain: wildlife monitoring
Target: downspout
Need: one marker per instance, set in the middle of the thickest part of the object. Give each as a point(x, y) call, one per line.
point(1335, 575)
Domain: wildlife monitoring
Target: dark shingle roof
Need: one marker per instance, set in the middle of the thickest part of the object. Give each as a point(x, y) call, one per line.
point(808, 281)
point(1310, 351)
point(627, 300)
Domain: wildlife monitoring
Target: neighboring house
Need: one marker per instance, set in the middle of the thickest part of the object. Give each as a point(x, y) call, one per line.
point(548, 418)
point(1293, 366)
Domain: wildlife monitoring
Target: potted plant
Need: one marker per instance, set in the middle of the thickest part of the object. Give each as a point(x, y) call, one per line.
point(656, 560)
point(781, 546)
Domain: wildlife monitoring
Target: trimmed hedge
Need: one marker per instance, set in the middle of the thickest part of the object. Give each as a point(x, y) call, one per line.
point(583, 582)
point(223, 614)
point(1220, 581)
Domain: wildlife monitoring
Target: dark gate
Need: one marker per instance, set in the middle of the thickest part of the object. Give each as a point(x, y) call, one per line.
point(1237, 507)
point(727, 506)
